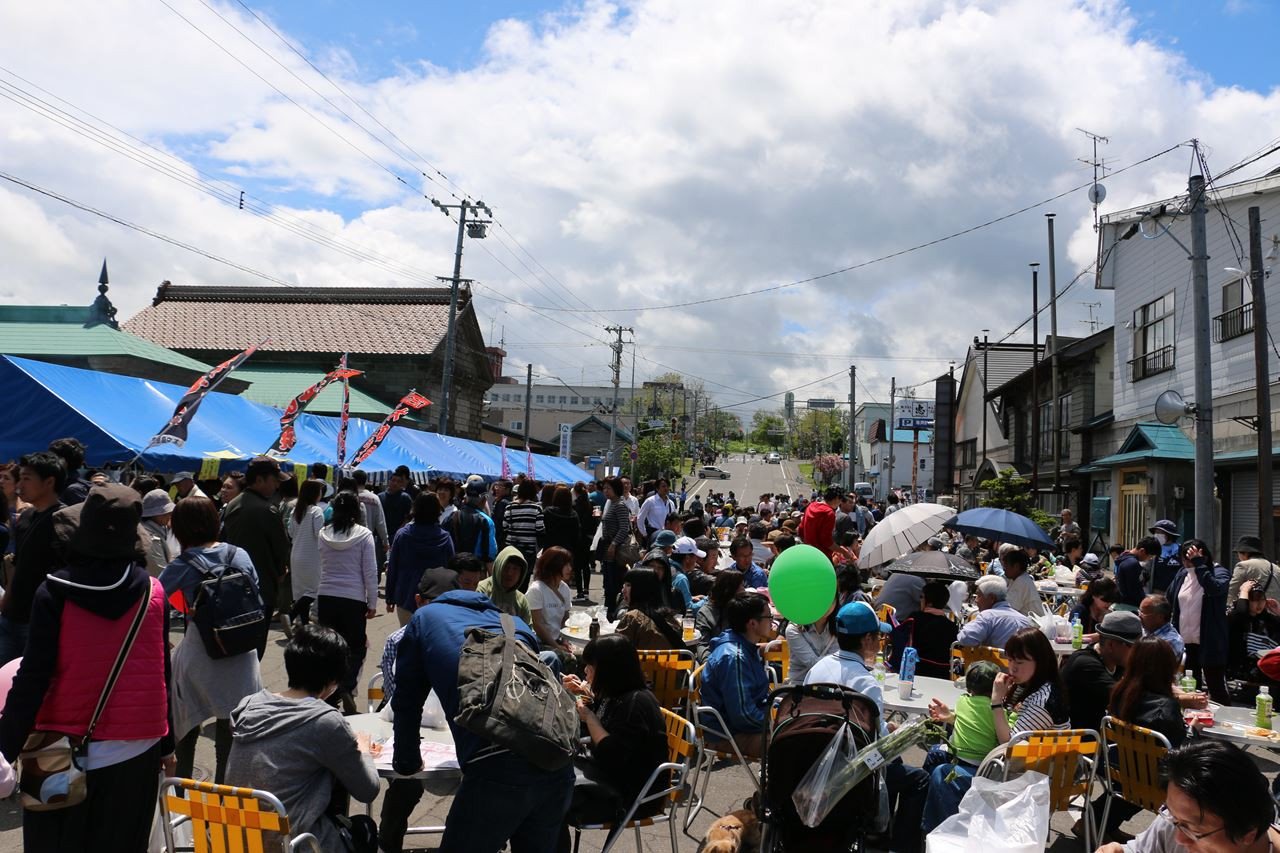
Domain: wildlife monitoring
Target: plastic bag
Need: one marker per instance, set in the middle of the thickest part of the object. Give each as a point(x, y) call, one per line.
point(997, 817)
point(432, 713)
point(817, 793)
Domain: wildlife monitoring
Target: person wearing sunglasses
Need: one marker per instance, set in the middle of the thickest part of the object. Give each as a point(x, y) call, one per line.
point(1216, 800)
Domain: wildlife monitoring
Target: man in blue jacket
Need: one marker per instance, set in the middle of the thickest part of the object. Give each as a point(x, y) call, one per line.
point(533, 802)
point(1129, 570)
point(735, 681)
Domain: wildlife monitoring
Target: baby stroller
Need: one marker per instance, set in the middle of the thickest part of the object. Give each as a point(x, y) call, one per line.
point(805, 719)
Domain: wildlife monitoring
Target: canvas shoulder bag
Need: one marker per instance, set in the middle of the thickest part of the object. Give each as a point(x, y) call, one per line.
point(51, 772)
point(510, 698)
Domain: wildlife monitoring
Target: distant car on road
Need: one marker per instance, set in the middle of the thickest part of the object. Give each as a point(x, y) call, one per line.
point(751, 450)
point(773, 459)
point(711, 472)
point(863, 490)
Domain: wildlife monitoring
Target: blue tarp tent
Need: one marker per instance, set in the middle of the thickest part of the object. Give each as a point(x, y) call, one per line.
point(116, 416)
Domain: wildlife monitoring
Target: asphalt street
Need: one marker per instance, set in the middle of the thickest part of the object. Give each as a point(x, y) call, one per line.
point(750, 479)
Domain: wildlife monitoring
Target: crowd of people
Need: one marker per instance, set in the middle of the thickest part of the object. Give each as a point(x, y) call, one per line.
point(98, 569)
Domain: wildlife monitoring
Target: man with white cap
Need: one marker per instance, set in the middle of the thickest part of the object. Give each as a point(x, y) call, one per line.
point(858, 636)
point(686, 554)
point(157, 510)
point(184, 483)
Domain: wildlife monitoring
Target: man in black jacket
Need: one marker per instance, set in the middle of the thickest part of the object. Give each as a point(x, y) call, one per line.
point(252, 522)
point(1130, 572)
point(41, 477)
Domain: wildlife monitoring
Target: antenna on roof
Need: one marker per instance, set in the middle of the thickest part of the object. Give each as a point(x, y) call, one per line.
point(1097, 192)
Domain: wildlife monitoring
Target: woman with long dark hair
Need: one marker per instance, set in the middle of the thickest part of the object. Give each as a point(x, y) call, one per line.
point(648, 621)
point(420, 545)
point(587, 524)
point(1144, 697)
point(304, 525)
point(710, 620)
point(563, 530)
point(626, 730)
point(1198, 594)
point(348, 594)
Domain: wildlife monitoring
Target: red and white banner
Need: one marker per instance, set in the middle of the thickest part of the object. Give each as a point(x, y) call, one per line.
point(409, 403)
point(298, 405)
point(175, 431)
point(346, 414)
point(528, 463)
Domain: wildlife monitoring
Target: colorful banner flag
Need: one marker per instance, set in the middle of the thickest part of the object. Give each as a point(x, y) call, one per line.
point(346, 415)
point(506, 463)
point(298, 404)
point(410, 402)
point(175, 431)
point(528, 463)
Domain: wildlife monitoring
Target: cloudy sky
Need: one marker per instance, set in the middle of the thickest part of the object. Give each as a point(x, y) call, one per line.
point(636, 155)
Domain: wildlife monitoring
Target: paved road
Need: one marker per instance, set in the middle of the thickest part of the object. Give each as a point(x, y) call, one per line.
point(749, 480)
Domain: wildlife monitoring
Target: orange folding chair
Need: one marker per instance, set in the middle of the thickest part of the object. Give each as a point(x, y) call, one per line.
point(667, 672)
point(1134, 775)
point(224, 817)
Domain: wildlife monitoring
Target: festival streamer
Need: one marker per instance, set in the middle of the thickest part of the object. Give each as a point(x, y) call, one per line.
point(298, 404)
point(409, 403)
point(506, 464)
point(175, 431)
point(346, 414)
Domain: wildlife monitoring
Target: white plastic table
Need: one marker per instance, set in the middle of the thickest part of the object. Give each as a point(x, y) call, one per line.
point(1238, 726)
point(923, 692)
point(440, 761)
point(579, 637)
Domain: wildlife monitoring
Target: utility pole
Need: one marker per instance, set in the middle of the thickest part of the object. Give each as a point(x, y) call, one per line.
point(616, 346)
point(986, 407)
point(893, 392)
point(853, 433)
point(1262, 378)
point(1035, 382)
point(474, 228)
point(528, 399)
point(1055, 408)
point(1203, 367)
point(635, 427)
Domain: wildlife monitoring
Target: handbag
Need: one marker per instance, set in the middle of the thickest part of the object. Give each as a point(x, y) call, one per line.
point(51, 772)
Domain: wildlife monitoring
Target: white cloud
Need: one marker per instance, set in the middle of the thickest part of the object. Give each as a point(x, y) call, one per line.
point(650, 153)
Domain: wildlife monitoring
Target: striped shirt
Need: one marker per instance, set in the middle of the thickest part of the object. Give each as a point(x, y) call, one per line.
point(1035, 712)
point(615, 524)
point(522, 524)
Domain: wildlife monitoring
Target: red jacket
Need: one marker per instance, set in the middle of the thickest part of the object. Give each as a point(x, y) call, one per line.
point(818, 527)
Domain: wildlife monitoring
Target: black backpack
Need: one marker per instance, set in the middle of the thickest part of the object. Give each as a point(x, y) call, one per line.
point(228, 610)
point(466, 527)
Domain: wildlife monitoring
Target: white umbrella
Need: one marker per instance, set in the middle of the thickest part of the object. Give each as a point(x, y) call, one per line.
point(902, 531)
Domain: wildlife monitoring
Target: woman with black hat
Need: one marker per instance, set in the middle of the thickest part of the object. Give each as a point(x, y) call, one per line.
point(99, 611)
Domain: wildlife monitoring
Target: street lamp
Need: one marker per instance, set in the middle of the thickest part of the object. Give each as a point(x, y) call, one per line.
point(475, 228)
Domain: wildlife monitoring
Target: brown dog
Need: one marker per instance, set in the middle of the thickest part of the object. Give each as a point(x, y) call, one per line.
point(736, 832)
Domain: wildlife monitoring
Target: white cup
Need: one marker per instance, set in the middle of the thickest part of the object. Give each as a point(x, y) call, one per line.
point(904, 689)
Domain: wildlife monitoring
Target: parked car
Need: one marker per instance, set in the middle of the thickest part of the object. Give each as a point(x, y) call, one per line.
point(863, 490)
point(773, 458)
point(711, 472)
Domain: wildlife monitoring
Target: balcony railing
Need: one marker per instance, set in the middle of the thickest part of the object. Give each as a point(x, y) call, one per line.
point(1233, 323)
point(1149, 364)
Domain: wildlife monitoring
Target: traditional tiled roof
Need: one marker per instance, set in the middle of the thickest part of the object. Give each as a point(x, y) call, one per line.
point(383, 320)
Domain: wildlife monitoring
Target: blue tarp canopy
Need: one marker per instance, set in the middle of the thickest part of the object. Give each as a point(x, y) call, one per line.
point(116, 416)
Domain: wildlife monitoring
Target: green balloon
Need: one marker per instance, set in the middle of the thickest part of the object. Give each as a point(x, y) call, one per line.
point(802, 584)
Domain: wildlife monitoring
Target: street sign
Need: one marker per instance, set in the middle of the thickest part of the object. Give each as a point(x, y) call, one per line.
point(566, 440)
point(914, 414)
point(822, 404)
point(657, 423)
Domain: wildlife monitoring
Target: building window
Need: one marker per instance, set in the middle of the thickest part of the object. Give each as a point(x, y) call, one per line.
point(564, 400)
point(598, 401)
point(519, 398)
point(1064, 422)
point(517, 425)
point(573, 401)
point(506, 398)
point(922, 461)
point(1236, 318)
point(1046, 429)
point(969, 453)
point(1153, 338)
point(538, 399)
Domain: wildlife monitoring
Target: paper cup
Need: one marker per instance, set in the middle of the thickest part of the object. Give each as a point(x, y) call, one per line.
point(904, 689)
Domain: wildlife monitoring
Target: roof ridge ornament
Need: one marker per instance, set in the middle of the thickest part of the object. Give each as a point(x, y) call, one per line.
point(102, 312)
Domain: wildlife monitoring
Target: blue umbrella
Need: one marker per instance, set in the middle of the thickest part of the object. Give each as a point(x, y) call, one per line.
point(1001, 525)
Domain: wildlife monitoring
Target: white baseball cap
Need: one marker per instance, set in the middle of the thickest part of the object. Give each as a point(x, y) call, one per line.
point(685, 545)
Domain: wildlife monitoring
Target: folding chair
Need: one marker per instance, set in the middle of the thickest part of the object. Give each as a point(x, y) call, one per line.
point(224, 818)
point(962, 657)
point(667, 672)
point(1068, 757)
point(374, 692)
point(782, 657)
point(1134, 774)
point(884, 611)
point(682, 753)
point(710, 727)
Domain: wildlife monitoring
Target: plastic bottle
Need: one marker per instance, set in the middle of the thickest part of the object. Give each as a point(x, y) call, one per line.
point(1188, 683)
point(1077, 632)
point(879, 671)
point(594, 630)
point(1262, 708)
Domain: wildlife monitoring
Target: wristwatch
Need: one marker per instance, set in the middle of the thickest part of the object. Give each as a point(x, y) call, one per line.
point(994, 705)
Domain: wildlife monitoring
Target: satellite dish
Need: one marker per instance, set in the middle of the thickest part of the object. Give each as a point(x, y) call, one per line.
point(1097, 193)
point(1170, 407)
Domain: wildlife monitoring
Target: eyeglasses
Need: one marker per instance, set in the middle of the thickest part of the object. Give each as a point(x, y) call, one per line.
point(1181, 827)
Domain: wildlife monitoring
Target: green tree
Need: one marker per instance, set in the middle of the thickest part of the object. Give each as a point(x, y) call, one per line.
point(658, 456)
point(1008, 490)
point(768, 428)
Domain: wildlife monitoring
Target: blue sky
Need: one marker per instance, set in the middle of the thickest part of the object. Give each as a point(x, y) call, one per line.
point(1227, 39)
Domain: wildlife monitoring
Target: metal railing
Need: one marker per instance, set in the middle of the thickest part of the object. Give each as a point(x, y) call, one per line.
point(1234, 323)
point(1149, 364)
